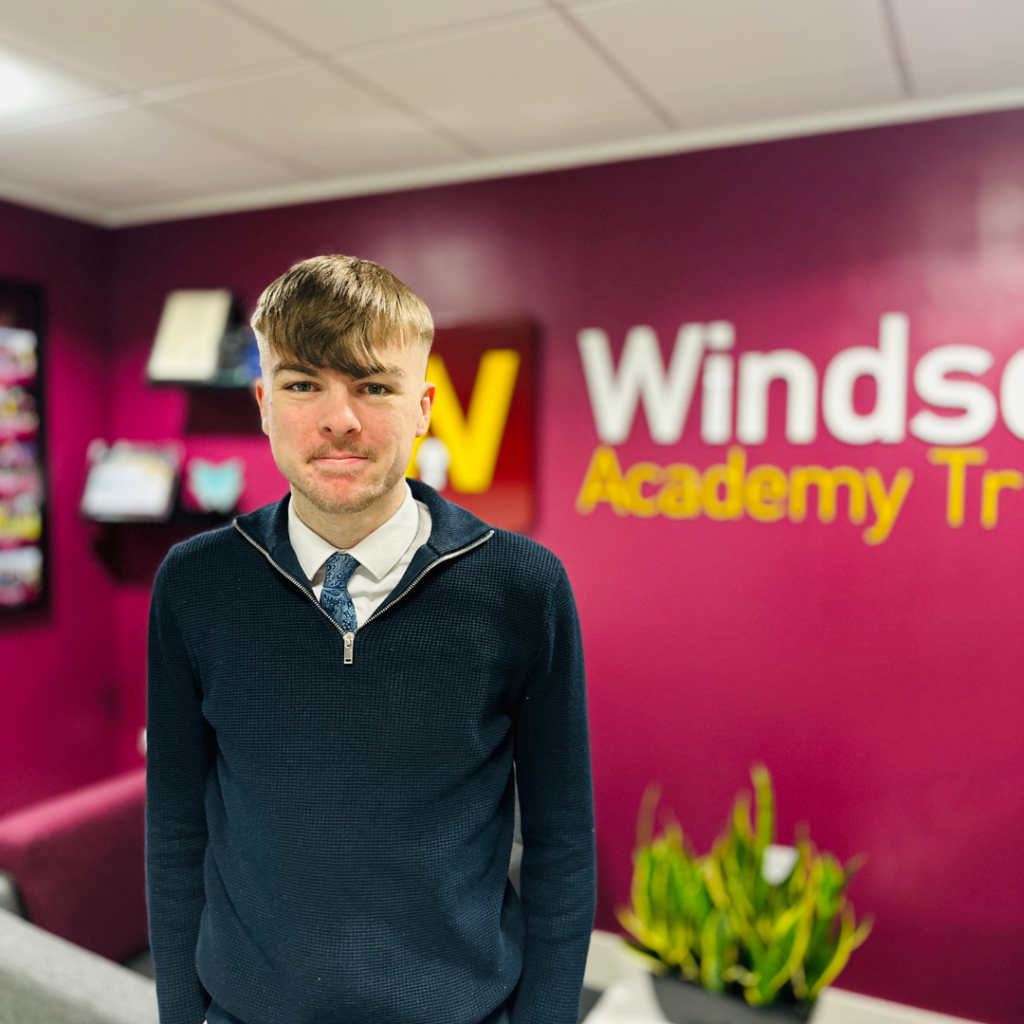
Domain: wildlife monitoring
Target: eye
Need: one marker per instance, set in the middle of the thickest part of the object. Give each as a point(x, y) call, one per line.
point(303, 387)
point(376, 389)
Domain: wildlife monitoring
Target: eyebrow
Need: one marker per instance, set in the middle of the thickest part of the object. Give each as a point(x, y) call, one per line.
point(310, 371)
point(390, 369)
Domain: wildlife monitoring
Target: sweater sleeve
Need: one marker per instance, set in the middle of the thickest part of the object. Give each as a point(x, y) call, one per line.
point(180, 751)
point(558, 879)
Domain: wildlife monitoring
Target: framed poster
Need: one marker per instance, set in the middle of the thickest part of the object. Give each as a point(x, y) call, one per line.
point(24, 561)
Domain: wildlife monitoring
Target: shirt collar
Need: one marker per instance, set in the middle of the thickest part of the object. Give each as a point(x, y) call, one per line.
point(378, 553)
point(452, 528)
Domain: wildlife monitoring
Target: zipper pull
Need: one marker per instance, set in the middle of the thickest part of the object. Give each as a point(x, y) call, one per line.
point(350, 642)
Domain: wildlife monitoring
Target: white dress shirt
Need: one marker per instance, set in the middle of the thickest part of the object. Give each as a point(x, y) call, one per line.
point(383, 555)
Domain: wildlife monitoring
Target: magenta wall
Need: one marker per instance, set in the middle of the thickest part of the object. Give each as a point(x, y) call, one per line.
point(59, 686)
point(880, 684)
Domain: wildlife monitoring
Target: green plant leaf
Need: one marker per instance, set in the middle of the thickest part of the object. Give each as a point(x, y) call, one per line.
point(765, 798)
point(712, 943)
point(849, 938)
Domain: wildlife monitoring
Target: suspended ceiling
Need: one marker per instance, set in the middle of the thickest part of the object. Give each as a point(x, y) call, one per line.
point(129, 111)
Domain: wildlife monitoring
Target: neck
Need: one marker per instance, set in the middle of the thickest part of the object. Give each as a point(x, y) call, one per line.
point(346, 529)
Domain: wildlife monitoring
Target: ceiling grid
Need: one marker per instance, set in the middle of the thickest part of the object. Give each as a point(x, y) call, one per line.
point(332, 66)
point(899, 55)
point(128, 111)
point(617, 68)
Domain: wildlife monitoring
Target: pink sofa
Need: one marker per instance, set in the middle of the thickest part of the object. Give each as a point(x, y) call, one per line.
point(78, 861)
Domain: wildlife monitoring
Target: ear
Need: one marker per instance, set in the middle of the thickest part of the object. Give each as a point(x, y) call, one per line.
point(263, 402)
point(426, 404)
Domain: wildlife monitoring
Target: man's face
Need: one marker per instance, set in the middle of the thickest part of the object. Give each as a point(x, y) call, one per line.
point(342, 442)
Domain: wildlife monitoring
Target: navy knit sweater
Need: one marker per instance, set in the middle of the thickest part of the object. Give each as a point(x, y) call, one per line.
point(328, 842)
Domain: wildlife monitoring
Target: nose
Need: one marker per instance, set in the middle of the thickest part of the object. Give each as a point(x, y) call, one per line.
point(339, 416)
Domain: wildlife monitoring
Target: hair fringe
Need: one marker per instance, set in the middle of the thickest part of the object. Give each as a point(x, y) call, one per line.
point(335, 312)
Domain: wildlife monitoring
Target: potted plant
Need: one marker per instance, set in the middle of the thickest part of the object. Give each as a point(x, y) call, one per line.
point(767, 923)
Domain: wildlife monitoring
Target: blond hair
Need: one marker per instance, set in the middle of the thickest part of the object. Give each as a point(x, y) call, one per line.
point(334, 312)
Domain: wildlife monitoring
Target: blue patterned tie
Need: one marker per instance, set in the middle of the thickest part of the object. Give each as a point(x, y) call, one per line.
point(335, 597)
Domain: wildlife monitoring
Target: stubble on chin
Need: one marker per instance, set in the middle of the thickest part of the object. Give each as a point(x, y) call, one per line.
point(332, 505)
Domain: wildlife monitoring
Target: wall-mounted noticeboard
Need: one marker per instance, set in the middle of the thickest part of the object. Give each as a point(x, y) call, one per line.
point(23, 534)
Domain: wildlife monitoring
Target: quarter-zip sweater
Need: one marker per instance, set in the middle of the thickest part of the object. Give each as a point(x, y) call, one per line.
point(329, 817)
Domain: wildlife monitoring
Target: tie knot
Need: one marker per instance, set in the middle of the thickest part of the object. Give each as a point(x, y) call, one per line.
point(340, 567)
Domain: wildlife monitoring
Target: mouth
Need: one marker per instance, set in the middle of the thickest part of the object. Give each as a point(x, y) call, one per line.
point(339, 460)
point(327, 458)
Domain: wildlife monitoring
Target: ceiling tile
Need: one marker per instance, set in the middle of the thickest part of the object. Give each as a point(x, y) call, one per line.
point(787, 98)
point(530, 84)
point(28, 86)
point(136, 44)
point(330, 25)
point(313, 117)
point(686, 51)
point(930, 29)
point(957, 74)
point(130, 157)
point(962, 45)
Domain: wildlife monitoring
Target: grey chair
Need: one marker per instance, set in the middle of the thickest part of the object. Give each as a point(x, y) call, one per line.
point(48, 980)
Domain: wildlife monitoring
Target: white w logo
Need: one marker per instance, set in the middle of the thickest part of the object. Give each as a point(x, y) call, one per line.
point(666, 397)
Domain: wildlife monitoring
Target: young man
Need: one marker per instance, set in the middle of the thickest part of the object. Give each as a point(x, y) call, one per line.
point(345, 688)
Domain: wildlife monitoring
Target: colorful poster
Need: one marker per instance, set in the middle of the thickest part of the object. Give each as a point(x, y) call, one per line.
point(131, 481)
point(21, 473)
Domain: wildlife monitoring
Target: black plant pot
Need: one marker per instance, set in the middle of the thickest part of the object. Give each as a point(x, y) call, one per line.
point(683, 1002)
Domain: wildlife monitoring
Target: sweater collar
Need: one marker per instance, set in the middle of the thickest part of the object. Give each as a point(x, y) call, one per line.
point(452, 528)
